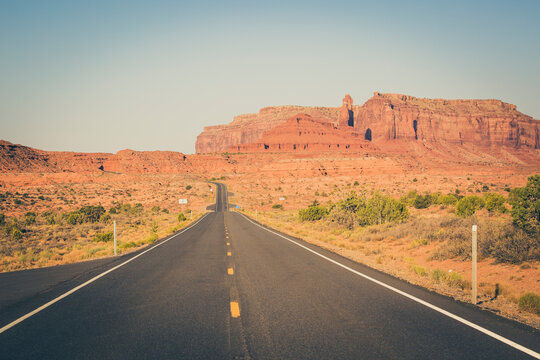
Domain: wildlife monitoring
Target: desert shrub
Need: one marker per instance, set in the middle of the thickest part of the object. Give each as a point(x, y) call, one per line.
point(422, 201)
point(137, 209)
point(2, 220)
point(525, 203)
point(455, 279)
point(105, 237)
point(165, 211)
point(343, 217)
point(155, 209)
point(494, 202)
point(188, 187)
point(29, 218)
point(50, 217)
point(512, 245)
point(409, 198)
point(277, 206)
point(438, 275)
point(468, 205)
point(16, 234)
point(91, 213)
point(380, 209)
point(127, 245)
point(449, 199)
point(154, 227)
point(419, 270)
point(500, 240)
point(181, 217)
point(530, 302)
point(73, 218)
point(314, 212)
point(356, 183)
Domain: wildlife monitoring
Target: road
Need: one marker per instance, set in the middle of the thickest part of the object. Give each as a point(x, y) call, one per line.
point(226, 288)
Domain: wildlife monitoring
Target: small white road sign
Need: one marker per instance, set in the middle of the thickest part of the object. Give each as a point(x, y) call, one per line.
point(182, 201)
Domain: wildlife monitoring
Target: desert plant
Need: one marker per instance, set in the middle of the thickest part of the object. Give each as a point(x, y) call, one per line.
point(449, 199)
point(188, 187)
point(422, 201)
point(277, 206)
point(181, 217)
point(468, 205)
point(438, 275)
point(530, 302)
point(29, 218)
point(380, 209)
point(313, 212)
point(525, 203)
point(2, 220)
point(494, 202)
point(105, 237)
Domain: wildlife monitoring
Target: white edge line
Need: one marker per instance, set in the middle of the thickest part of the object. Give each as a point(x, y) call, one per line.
point(425, 303)
point(46, 305)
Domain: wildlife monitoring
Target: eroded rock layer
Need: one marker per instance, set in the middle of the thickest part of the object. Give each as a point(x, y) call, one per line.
point(383, 118)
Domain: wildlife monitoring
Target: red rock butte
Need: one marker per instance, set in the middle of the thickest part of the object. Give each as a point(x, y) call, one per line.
point(384, 119)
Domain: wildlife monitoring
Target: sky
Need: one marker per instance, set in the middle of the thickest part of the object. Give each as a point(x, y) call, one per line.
point(102, 76)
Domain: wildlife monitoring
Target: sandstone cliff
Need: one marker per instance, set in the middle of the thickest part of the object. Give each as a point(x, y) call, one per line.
point(249, 128)
point(482, 122)
point(303, 132)
point(385, 118)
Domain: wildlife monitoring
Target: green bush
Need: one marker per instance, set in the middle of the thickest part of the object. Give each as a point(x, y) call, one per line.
point(419, 270)
point(450, 199)
point(314, 212)
point(106, 237)
point(277, 206)
point(422, 201)
point(16, 234)
point(380, 209)
point(29, 218)
point(468, 205)
point(155, 209)
point(188, 187)
point(2, 220)
point(181, 217)
point(91, 213)
point(455, 279)
point(525, 203)
point(494, 202)
point(438, 275)
point(73, 218)
point(530, 302)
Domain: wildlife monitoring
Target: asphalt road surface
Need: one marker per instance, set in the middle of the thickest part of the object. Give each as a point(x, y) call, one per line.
point(226, 288)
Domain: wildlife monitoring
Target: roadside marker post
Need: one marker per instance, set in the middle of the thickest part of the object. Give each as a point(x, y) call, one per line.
point(474, 255)
point(114, 237)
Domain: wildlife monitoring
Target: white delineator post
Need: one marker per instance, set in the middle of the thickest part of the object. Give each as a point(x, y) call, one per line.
point(474, 255)
point(114, 237)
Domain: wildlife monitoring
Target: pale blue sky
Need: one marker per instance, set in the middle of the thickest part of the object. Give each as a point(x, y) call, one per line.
point(101, 76)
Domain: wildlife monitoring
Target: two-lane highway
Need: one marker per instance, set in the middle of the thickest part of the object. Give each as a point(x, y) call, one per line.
point(228, 288)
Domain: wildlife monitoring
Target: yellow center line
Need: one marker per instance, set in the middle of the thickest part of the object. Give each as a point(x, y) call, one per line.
point(230, 271)
point(229, 253)
point(228, 244)
point(235, 309)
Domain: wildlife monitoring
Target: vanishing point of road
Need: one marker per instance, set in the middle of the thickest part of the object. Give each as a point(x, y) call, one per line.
point(228, 288)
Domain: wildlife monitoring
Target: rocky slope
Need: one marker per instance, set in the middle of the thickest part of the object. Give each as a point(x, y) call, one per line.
point(385, 118)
